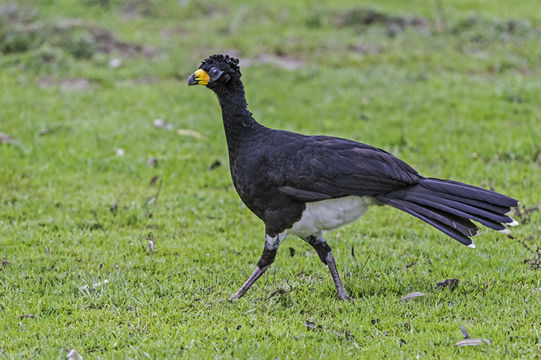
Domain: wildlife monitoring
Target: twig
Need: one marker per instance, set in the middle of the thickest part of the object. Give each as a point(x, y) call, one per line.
point(368, 258)
point(149, 250)
point(154, 198)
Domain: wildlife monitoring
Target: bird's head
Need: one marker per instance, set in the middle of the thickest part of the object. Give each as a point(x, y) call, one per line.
point(218, 71)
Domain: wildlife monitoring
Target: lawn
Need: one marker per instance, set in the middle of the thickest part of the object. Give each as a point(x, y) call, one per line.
point(121, 235)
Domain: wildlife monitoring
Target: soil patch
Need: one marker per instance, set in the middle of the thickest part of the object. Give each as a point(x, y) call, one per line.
point(22, 31)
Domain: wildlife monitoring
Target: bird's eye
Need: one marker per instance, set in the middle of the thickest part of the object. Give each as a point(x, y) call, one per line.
point(213, 72)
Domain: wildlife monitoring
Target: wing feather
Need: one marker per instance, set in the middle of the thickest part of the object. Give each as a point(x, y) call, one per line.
point(327, 167)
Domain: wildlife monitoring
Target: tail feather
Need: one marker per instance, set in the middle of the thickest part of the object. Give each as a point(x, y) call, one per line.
point(469, 191)
point(464, 226)
point(446, 229)
point(449, 206)
point(476, 203)
point(488, 219)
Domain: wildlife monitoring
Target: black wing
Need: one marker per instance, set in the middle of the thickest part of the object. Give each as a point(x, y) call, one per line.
point(321, 167)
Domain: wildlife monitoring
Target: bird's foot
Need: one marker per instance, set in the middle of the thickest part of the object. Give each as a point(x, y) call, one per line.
point(344, 296)
point(235, 296)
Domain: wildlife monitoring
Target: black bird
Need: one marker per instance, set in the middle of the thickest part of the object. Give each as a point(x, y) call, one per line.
point(304, 185)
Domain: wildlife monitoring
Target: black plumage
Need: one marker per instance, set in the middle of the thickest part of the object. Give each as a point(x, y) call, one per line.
point(279, 174)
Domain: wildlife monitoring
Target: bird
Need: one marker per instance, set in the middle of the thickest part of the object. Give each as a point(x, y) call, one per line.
point(306, 185)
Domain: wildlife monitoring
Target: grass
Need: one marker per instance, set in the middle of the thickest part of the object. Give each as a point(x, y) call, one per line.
point(457, 97)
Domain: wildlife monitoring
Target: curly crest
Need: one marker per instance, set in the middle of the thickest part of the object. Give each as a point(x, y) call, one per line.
point(225, 59)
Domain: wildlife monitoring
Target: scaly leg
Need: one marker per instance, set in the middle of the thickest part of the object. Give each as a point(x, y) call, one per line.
point(272, 243)
point(325, 254)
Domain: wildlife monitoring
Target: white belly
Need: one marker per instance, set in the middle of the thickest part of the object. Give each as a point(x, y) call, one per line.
point(329, 214)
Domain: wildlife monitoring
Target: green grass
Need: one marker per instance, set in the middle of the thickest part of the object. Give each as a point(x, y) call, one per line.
point(457, 98)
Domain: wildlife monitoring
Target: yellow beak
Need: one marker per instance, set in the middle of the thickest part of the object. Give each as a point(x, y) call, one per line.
point(200, 77)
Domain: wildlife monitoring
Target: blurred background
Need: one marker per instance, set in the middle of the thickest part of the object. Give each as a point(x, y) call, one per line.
point(111, 168)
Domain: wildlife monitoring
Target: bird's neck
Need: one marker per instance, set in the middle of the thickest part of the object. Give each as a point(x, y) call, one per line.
point(239, 123)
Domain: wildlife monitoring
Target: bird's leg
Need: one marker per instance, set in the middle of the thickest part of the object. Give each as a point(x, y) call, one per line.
point(272, 243)
point(325, 254)
point(263, 264)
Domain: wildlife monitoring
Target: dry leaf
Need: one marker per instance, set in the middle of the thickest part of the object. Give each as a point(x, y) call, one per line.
point(312, 326)
point(472, 342)
point(96, 285)
point(412, 296)
point(152, 162)
point(214, 165)
point(468, 341)
point(27, 316)
point(187, 132)
point(450, 283)
point(74, 355)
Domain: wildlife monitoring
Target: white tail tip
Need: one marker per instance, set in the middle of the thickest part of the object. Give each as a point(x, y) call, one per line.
point(513, 223)
point(472, 245)
point(505, 231)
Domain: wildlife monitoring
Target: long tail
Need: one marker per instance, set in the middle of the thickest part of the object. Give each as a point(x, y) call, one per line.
point(449, 206)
